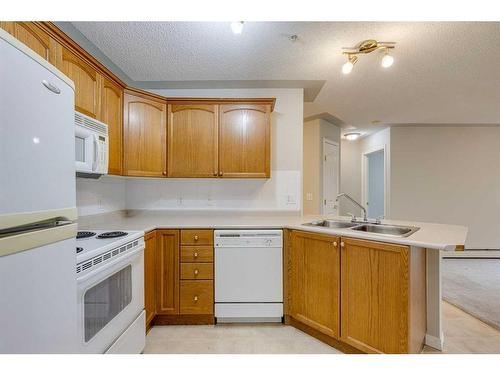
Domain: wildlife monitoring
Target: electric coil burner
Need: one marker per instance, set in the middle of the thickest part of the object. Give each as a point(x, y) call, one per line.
point(84, 234)
point(112, 234)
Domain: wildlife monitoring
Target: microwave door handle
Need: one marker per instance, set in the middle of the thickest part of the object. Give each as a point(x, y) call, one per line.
point(94, 161)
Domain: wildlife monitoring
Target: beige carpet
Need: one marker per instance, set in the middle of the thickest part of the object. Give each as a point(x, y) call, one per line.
point(474, 286)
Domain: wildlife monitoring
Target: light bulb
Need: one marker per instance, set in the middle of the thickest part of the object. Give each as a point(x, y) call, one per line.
point(347, 67)
point(352, 136)
point(387, 61)
point(237, 27)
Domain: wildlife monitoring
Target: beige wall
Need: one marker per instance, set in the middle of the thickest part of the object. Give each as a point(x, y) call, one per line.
point(314, 133)
point(448, 175)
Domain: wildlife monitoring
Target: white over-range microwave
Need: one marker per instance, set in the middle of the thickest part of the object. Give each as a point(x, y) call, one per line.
point(91, 146)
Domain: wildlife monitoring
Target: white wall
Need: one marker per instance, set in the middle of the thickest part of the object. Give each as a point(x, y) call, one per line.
point(281, 192)
point(448, 175)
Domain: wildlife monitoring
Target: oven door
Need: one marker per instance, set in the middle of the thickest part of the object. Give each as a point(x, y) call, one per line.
point(110, 299)
point(85, 149)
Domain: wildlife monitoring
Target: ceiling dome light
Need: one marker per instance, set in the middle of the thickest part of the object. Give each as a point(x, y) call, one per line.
point(387, 61)
point(237, 27)
point(352, 136)
point(347, 67)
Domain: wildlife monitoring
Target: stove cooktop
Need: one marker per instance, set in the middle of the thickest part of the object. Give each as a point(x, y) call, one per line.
point(102, 241)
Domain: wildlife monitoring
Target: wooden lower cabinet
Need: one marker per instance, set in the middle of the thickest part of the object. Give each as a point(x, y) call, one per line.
point(179, 289)
point(314, 281)
point(167, 272)
point(383, 296)
point(356, 295)
point(150, 277)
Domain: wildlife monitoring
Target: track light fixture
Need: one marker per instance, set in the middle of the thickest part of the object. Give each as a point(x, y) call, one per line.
point(364, 47)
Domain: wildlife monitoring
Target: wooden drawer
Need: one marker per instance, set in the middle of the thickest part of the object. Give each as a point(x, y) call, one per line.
point(197, 237)
point(197, 271)
point(203, 254)
point(197, 297)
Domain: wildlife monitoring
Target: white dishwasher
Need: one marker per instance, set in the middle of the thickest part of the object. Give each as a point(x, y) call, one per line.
point(248, 275)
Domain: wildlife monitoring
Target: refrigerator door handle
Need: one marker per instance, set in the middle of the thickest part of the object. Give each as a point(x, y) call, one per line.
point(51, 87)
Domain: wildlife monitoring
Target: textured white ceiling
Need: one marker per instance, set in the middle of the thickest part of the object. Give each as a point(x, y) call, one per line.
point(443, 72)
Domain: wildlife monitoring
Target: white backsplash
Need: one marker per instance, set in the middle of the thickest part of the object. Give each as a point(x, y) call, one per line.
point(100, 196)
point(281, 192)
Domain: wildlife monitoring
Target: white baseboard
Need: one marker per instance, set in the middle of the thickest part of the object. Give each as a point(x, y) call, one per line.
point(472, 254)
point(434, 342)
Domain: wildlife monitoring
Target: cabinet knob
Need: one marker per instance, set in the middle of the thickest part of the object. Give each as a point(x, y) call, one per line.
point(335, 243)
point(164, 173)
point(196, 272)
point(196, 238)
point(215, 174)
point(195, 299)
point(342, 244)
point(195, 255)
point(220, 174)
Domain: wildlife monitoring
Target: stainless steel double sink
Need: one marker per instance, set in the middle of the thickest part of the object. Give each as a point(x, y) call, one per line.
point(382, 229)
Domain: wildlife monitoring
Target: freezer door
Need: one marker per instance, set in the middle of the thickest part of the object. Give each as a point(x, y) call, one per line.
point(37, 151)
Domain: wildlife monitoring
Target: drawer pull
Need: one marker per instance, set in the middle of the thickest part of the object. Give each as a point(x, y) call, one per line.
point(196, 272)
point(195, 298)
point(335, 243)
point(196, 238)
point(195, 255)
point(342, 244)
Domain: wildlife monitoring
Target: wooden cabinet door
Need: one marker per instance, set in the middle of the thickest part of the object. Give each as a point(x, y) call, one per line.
point(245, 140)
point(167, 272)
point(144, 136)
point(192, 140)
point(150, 276)
point(314, 283)
point(33, 37)
point(112, 115)
point(375, 281)
point(86, 79)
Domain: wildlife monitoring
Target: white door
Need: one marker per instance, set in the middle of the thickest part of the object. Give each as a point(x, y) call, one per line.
point(330, 176)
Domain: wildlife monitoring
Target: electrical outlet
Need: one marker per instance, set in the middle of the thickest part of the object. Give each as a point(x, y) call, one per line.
point(309, 196)
point(179, 201)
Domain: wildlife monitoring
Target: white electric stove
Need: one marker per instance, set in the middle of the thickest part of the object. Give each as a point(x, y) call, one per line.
point(110, 279)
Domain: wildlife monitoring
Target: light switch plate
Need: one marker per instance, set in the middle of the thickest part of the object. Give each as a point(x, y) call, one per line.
point(309, 197)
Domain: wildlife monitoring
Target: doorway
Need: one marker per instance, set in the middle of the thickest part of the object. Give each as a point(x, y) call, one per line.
point(331, 167)
point(374, 183)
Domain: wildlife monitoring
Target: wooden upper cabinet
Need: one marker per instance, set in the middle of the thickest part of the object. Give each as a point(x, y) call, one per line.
point(375, 296)
point(150, 276)
point(34, 37)
point(86, 79)
point(167, 272)
point(144, 136)
point(192, 140)
point(112, 115)
point(313, 284)
point(245, 140)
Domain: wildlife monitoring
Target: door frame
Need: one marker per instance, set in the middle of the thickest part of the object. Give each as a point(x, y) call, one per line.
point(325, 141)
point(364, 176)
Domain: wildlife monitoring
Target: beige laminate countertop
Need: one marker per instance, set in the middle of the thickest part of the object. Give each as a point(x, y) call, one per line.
point(430, 235)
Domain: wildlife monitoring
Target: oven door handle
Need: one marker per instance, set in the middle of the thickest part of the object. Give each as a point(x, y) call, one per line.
point(104, 269)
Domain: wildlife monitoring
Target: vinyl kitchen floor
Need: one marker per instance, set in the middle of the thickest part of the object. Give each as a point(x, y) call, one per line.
point(463, 334)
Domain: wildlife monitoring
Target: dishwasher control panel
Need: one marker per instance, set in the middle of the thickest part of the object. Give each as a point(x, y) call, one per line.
point(248, 238)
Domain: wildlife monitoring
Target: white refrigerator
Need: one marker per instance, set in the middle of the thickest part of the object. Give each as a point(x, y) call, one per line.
point(37, 204)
